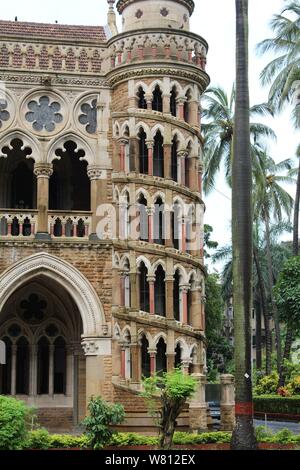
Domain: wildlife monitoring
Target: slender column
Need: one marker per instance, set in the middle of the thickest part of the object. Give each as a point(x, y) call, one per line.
point(123, 361)
point(51, 369)
point(181, 102)
point(167, 160)
point(152, 362)
point(43, 171)
point(150, 224)
point(151, 280)
point(14, 370)
point(170, 361)
point(149, 99)
point(70, 375)
point(33, 371)
point(182, 158)
point(98, 194)
point(122, 144)
point(169, 297)
point(183, 235)
point(168, 226)
point(166, 103)
point(196, 309)
point(136, 368)
point(150, 145)
point(134, 302)
point(122, 288)
point(134, 154)
point(184, 291)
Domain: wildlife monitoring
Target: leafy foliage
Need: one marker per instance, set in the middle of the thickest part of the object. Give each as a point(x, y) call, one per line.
point(267, 385)
point(287, 292)
point(14, 417)
point(277, 404)
point(102, 415)
point(171, 390)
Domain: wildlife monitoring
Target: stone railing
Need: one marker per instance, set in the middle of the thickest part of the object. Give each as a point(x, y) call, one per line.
point(18, 223)
point(173, 46)
point(69, 224)
point(51, 58)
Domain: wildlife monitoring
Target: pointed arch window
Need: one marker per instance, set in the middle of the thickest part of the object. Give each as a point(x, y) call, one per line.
point(174, 159)
point(159, 228)
point(22, 367)
point(160, 292)
point(173, 101)
point(43, 360)
point(161, 357)
point(144, 288)
point(158, 155)
point(176, 296)
point(143, 215)
point(143, 152)
point(142, 103)
point(145, 357)
point(178, 356)
point(157, 100)
point(187, 106)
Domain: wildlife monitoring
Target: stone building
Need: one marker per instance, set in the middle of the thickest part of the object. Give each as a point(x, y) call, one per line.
point(101, 210)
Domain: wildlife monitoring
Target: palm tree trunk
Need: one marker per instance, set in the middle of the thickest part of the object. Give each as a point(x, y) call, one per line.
point(243, 437)
point(271, 285)
point(296, 217)
point(264, 304)
point(258, 342)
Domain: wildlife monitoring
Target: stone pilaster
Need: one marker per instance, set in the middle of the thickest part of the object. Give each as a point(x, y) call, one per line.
point(227, 402)
point(198, 406)
point(43, 171)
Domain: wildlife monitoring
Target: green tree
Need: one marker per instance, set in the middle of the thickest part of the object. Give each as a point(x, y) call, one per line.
point(287, 296)
point(166, 396)
point(272, 202)
point(218, 130)
point(243, 436)
point(219, 350)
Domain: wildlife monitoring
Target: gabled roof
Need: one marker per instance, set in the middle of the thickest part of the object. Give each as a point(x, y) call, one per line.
point(62, 32)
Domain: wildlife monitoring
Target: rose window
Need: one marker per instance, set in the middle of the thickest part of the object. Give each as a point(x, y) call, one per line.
point(33, 309)
point(4, 114)
point(43, 114)
point(88, 118)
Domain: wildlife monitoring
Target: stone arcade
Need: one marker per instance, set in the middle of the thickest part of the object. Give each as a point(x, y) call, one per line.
point(101, 210)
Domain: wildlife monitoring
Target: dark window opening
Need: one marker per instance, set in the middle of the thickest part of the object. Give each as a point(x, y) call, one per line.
point(144, 289)
point(158, 155)
point(176, 296)
point(159, 229)
point(160, 292)
point(22, 367)
point(145, 358)
point(142, 103)
point(5, 370)
point(157, 101)
point(174, 160)
point(60, 366)
point(178, 356)
point(173, 102)
point(143, 152)
point(43, 367)
point(161, 357)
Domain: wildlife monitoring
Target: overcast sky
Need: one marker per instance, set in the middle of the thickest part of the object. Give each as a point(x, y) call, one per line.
point(215, 21)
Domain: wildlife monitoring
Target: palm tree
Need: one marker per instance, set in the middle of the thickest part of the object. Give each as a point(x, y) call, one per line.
point(272, 201)
point(243, 436)
point(282, 72)
point(218, 130)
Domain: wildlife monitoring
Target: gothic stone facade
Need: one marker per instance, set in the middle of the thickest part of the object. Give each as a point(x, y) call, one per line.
point(101, 210)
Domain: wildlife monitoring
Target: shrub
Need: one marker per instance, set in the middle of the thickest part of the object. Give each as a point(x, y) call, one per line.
point(277, 404)
point(293, 386)
point(102, 415)
point(267, 385)
point(39, 439)
point(14, 417)
point(65, 441)
point(132, 439)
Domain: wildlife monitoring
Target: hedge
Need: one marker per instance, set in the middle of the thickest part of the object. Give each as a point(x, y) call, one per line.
point(277, 405)
point(42, 440)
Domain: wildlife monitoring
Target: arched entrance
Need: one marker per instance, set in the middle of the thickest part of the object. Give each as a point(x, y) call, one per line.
point(44, 321)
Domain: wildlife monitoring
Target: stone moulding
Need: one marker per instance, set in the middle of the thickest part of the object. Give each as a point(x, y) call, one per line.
point(122, 4)
point(44, 264)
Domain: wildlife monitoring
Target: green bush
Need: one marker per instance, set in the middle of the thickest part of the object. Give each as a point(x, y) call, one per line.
point(267, 385)
point(277, 404)
point(132, 439)
point(42, 440)
point(102, 415)
point(14, 418)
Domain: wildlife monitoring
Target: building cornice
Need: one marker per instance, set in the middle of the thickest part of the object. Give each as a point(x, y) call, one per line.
point(122, 4)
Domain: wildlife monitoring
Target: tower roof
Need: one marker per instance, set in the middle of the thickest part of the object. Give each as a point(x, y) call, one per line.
point(121, 4)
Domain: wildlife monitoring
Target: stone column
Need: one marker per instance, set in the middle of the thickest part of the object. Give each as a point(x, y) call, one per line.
point(181, 102)
point(96, 349)
point(14, 370)
point(33, 371)
point(150, 212)
point(51, 369)
point(123, 361)
point(70, 374)
point(184, 293)
point(194, 114)
point(196, 309)
point(43, 171)
point(98, 179)
point(122, 143)
point(151, 281)
point(149, 99)
point(150, 145)
point(134, 154)
point(227, 402)
point(170, 361)
point(167, 161)
point(136, 366)
point(182, 158)
point(134, 299)
point(152, 361)
point(169, 281)
point(198, 406)
point(166, 103)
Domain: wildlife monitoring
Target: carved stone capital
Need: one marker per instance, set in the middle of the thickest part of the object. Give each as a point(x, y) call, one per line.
point(43, 170)
point(95, 172)
point(94, 346)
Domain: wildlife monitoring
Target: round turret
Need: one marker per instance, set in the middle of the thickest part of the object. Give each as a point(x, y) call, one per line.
point(141, 14)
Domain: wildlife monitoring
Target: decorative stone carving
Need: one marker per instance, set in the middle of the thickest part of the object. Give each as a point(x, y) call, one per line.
point(43, 114)
point(88, 118)
point(95, 172)
point(96, 346)
point(43, 170)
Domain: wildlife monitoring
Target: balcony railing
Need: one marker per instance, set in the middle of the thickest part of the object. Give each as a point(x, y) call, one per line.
point(69, 224)
point(16, 223)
